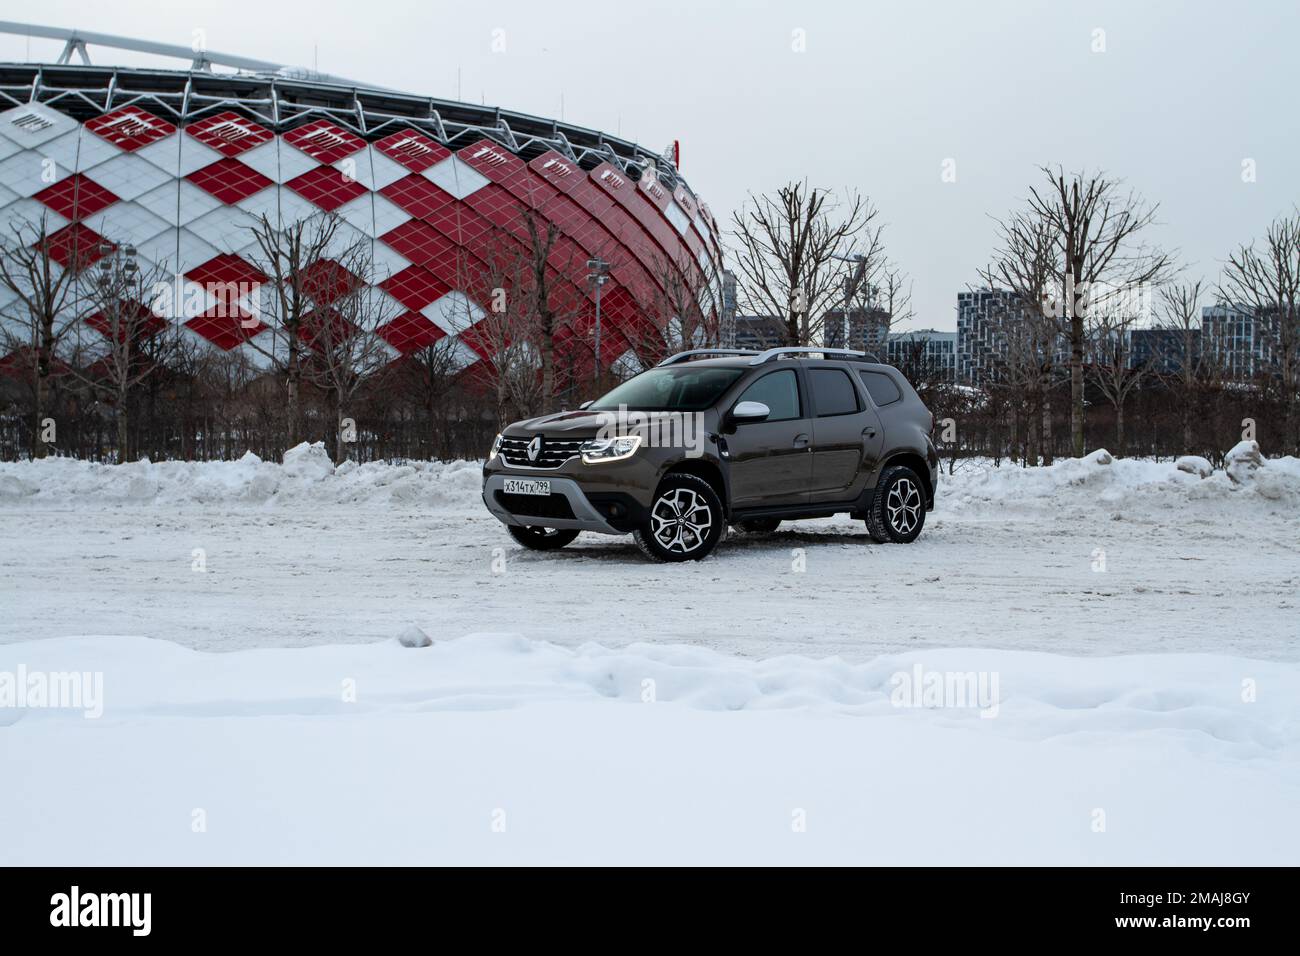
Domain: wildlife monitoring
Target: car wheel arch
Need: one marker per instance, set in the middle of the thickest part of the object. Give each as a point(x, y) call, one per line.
point(702, 468)
point(910, 459)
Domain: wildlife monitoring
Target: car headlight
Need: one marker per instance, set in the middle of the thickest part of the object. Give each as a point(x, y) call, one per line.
point(600, 450)
point(496, 447)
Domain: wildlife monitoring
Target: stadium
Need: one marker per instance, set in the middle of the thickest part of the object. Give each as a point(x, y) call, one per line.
point(182, 165)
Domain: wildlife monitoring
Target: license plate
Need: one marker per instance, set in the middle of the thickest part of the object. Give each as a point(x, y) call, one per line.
point(527, 486)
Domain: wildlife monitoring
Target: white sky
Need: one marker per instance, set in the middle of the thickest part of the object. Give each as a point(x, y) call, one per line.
point(883, 94)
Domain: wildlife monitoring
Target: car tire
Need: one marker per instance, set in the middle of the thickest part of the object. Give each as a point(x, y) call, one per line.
point(541, 539)
point(897, 512)
point(686, 520)
point(758, 525)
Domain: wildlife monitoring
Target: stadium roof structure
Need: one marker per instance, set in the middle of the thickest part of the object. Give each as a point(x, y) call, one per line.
point(282, 94)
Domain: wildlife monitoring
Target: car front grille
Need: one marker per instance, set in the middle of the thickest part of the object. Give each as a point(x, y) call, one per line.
point(536, 506)
point(553, 453)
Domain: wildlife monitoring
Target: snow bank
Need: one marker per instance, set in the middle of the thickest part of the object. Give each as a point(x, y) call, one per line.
point(308, 462)
point(1195, 465)
point(307, 475)
point(1101, 478)
point(493, 748)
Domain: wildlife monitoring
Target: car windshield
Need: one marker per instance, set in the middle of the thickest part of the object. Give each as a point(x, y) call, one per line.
point(684, 388)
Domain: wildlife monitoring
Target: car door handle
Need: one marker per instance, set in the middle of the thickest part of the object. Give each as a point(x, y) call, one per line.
point(800, 441)
point(869, 431)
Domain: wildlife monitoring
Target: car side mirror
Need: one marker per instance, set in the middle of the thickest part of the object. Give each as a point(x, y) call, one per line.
point(586, 404)
point(750, 412)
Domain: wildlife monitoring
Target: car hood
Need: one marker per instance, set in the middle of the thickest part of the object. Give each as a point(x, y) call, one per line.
point(575, 424)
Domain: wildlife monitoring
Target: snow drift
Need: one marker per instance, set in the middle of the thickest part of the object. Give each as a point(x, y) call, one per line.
point(496, 749)
point(308, 475)
point(1100, 477)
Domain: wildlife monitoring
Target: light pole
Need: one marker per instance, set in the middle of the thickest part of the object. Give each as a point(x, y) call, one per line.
point(597, 273)
point(119, 275)
point(851, 280)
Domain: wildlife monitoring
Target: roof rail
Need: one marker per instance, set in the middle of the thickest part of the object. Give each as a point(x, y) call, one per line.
point(692, 353)
point(845, 354)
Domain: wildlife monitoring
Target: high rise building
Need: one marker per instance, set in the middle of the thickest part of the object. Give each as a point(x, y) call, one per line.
point(727, 320)
point(866, 330)
point(1161, 351)
point(759, 332)
point(924, 354)
point(981, 343)
point(1241, 339)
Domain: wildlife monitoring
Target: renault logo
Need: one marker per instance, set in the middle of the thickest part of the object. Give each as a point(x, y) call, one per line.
point(534, 448)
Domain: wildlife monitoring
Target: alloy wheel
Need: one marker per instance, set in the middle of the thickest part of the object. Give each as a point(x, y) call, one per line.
point(903, 506)
point(680, 520)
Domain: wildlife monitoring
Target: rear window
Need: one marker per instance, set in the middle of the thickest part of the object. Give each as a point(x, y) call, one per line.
point(833, 392)
point(880, 387)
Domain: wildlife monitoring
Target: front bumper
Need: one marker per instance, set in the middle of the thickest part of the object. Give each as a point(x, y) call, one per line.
point(585, 516)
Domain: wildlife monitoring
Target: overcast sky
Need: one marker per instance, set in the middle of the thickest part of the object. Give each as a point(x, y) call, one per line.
point(880, 96)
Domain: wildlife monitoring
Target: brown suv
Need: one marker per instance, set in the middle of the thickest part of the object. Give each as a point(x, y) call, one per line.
point(718, 437)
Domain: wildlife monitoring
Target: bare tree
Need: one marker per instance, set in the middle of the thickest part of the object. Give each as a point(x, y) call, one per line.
point(1182, 352)
point(1267, 281)
point(1017, 375)
point(44, 307)
point(1112, 366)
point(549, 302)
point(1098, 230)
point(429, 373)
point(132, 340)
point(892, 292)
point(300, 263)
point(877, 295)
point(506, 332)
point(345, 347)
point(1023, 264)
point(683, 310)
point(792, 247)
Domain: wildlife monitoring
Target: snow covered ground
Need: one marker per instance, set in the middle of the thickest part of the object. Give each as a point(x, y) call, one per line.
point(1079, 558)
point(495, 749)
point(1111, 646)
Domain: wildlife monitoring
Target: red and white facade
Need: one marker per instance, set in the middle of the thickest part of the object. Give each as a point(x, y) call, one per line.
point(182, 166)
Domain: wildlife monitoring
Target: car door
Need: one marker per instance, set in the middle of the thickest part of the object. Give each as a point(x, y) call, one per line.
point(847, 435)
point(769, 460)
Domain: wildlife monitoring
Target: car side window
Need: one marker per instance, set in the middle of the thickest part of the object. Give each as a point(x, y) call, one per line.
point(833, 392)
point(779, 391)
point(880, 387)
